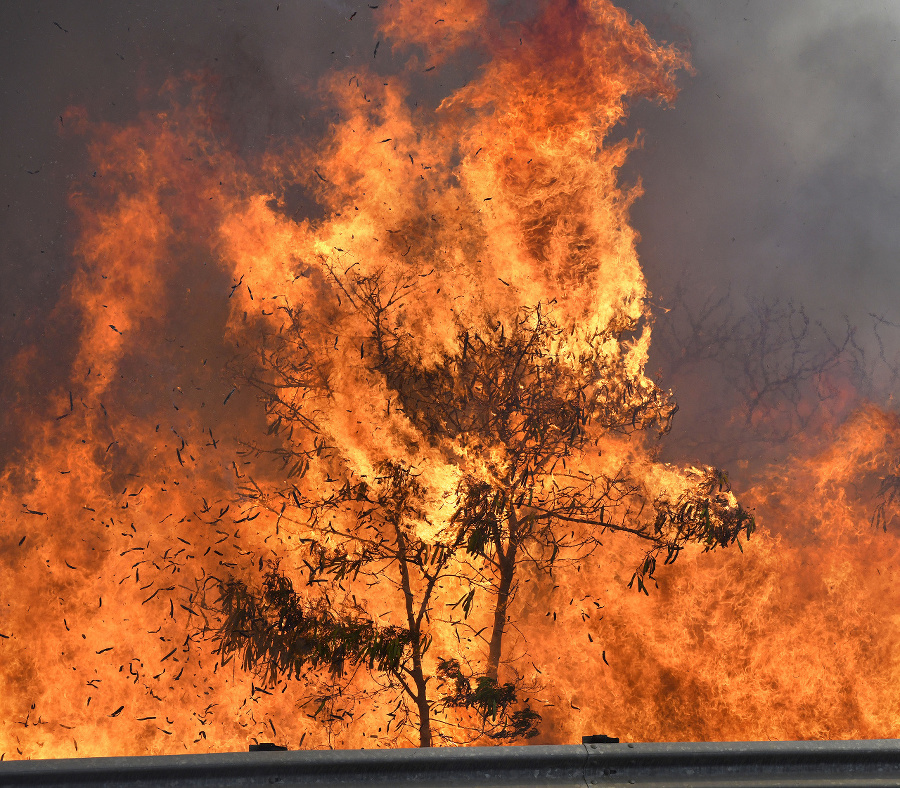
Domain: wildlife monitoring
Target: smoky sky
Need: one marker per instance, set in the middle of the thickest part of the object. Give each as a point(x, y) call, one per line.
point(774, 177)
point(778, 169)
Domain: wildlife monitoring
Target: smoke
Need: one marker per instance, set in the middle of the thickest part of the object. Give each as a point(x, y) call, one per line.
point(112, 60)
point(780, 153)
point(773, 177)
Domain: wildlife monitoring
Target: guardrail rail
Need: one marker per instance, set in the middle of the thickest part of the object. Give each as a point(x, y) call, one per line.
point(823, 764)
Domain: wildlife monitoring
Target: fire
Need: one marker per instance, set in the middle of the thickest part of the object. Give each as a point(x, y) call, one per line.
point(790, 639)
point(494, 222)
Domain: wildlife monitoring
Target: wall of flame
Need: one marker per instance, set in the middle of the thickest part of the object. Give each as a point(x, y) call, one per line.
point(119, 499)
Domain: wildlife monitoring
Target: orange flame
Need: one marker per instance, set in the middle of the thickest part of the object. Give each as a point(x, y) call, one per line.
point(124, 499)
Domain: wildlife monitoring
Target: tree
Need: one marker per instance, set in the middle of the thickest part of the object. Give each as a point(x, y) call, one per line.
point(534, 401)
point(455, 383)
point(281, 633)
point(516, 418)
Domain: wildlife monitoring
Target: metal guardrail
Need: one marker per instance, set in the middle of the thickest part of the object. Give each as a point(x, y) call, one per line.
point(746, 764)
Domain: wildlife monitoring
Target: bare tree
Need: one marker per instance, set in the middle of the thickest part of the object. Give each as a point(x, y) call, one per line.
point(769, 372)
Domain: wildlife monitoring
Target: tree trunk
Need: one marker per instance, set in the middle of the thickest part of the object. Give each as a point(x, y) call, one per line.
point(421, 700)
point(418, 674)
point(507, 573)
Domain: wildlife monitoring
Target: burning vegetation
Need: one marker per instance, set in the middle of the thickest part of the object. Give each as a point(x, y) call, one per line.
point(350, 418)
